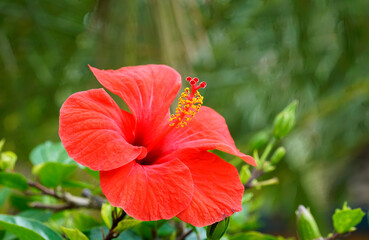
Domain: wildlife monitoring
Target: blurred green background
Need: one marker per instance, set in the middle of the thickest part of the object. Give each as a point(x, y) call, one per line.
point(256, 56)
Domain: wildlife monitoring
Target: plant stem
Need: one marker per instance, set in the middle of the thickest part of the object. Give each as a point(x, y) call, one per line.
point(183, 236)
point(116, 219)
point(267, 151)
point(254, 175)
point(70, 201)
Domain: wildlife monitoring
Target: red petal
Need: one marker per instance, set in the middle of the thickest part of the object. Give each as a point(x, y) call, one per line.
point(149, 192)
point(148, 91)
point(96, 132)
point(207, 130)
point(218, 189)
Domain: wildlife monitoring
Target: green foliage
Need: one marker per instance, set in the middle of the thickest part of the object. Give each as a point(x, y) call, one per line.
point(7, 160)
point(106, 214)
point(217, 230)
point(74, 234)
point(126, 224)
point(13, 180)
point(50, 152)
point(29, 229)
point(307, 228)
point(277, 155)
point(345, 219)
point(255, 236)
point(52, 174)
point(245, 173)
point(73, 219)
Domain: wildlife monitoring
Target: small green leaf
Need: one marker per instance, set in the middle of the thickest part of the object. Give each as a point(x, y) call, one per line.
point(254, 236)
point(7, 160)
point(50, 152)
point(13, 180)
point(74, 234)
point(52, 174)
point(245, 174)
point(29, 229)
point(345, 219)
point(126, 224)
point(106, 211)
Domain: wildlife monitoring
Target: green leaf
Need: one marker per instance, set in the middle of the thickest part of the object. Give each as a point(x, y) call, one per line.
point(345, 219)
point(13, 180)
point(254, 236)
point(36, 214)
point(106, 211)
point(76, 184)
point(52, 174)
point(2, 142)
point(74, 234)
point(166, 230)
point(4, 194)
point(95, 174)
point(126, 224)
point(29, 229)
point(245, 174)
point(50, 152)
point(7, 160)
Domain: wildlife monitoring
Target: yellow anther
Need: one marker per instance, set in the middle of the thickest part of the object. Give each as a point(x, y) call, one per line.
point(188, 106)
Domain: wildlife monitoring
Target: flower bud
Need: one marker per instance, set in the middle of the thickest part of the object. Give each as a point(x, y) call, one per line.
point(285, 121)
point(278, 155)
point(217, 230)
point(307, 228)
point(7, 160)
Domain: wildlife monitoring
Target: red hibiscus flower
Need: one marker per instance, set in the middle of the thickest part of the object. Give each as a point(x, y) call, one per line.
point(152, 164)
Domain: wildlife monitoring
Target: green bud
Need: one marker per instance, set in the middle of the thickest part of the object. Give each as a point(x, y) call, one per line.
point(285, 121)
point(217, 230)
point(307, 228)
point(278, 155)
point(7, 160)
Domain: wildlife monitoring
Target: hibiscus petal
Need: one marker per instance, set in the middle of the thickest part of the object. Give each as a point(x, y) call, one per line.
point(218, 189)
point(149, 192)
point(96, 132)
point(207, 130)
point(148, 91)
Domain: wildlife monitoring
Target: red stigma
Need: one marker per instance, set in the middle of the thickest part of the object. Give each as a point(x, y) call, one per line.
point(194, 86)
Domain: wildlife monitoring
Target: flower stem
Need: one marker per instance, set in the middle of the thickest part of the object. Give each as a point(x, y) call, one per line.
point(266, 152)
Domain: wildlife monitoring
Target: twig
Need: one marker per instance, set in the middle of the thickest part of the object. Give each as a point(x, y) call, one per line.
point(70, 201)
point(116, 219)
point(254, 175)
point(183, 236)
